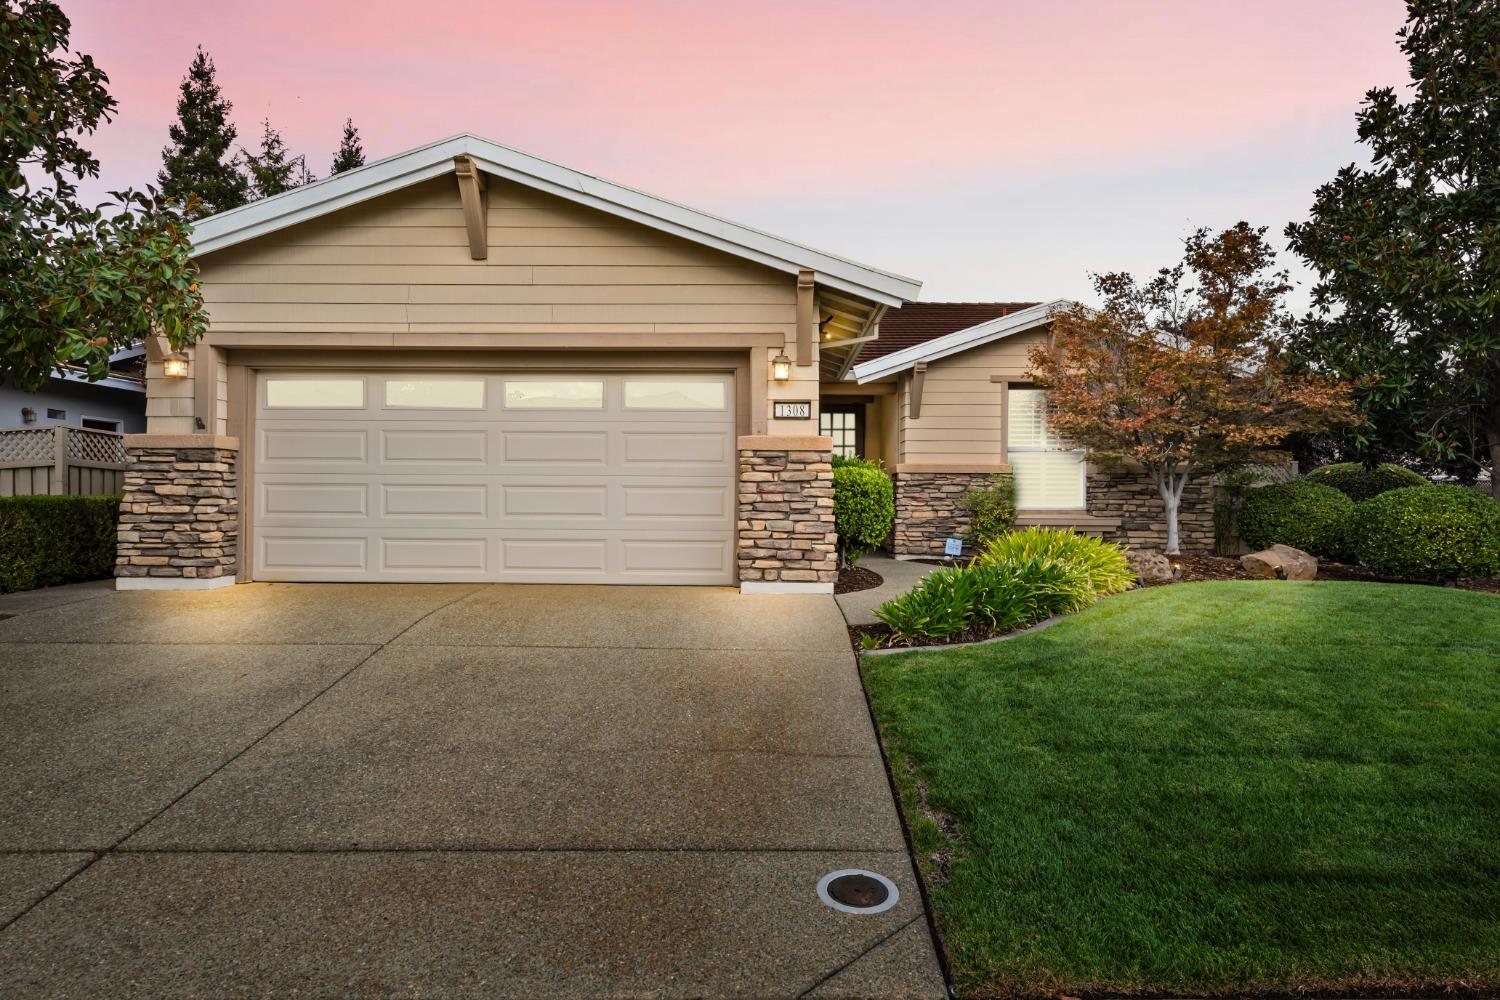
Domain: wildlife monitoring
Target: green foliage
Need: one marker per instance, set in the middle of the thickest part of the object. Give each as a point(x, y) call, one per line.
point(1428, 533)
point(76, 284)
point(50, 540)
point(199, 164)
point(1357, 482)
point(1104, 564)
point(1234, 483)
point(351, 152)
point(1018, 580)
point(1305, 515)
point(991, 509)
point(941, 607)
point(986, 597)
point(1404, 250)
point(274, 170)
point(864, 507)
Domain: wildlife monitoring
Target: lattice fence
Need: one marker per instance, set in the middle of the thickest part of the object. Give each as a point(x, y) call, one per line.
point(60, 460)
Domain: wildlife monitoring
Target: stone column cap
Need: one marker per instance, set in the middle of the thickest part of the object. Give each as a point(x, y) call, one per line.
point(969, 468)
point(217, 441)
point(784, 442)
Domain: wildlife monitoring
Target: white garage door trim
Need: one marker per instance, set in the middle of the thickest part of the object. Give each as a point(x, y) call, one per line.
point(518, 477)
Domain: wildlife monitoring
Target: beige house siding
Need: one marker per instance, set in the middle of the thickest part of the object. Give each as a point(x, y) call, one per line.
point(962, 407)
point(396, 272)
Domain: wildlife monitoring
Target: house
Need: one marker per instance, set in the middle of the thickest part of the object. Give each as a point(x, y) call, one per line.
point(943, 398)
point(116, 402)
point(467, 363)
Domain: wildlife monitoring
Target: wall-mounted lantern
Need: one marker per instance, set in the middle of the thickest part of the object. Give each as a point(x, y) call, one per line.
point(781, 367)
point(175, 365)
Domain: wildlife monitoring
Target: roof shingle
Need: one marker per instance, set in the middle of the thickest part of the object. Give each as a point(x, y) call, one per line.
point(919, 322)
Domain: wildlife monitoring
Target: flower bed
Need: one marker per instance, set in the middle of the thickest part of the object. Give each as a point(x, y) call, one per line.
point(1018, 580)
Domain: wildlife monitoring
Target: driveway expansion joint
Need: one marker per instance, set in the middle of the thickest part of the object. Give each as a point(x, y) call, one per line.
point(98, 854)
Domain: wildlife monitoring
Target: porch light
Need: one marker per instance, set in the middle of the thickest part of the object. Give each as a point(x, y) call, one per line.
point(175, 365)
point(781, 367)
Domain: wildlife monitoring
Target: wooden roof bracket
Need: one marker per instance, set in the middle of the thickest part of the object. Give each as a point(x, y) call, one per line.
point(471, 191)
point(807, 317)
point(918, 378)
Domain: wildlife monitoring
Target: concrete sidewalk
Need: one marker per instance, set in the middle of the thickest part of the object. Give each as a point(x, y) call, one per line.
point(442, 791)
point(899, 576)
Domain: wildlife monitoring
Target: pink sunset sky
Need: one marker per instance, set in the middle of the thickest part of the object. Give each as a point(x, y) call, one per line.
point(996, 150)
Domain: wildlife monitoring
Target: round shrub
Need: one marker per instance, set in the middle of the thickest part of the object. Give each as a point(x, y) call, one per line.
point(1303, 514)
point(1428, 533)
point(864, 507)
point(1359, 483)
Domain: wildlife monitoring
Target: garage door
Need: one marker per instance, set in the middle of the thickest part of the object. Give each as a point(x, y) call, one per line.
point(560, 478)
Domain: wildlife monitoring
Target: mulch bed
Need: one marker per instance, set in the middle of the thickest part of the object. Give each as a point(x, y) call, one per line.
point(1202, 567)
point(857, 633)
point(856, 578)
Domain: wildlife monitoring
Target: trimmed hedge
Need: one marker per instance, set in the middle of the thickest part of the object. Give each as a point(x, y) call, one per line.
point(50, 540)
point(1428, 533)
point(864, 507)
point(1303, 514)
point(1359, 483)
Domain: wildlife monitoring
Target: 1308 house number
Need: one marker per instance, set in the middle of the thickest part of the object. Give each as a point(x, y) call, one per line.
point(792, 410)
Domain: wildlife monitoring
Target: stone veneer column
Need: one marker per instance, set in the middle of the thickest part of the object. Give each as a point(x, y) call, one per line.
point(180, 516)
point(928, 512)
point(786, 540)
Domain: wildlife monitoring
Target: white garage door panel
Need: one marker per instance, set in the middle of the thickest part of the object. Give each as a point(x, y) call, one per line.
point(607, 494)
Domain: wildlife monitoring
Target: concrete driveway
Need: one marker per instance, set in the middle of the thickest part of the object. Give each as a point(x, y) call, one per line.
point(441, 790)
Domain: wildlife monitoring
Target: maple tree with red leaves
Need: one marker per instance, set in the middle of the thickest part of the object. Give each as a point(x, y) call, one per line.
point(1181, 380)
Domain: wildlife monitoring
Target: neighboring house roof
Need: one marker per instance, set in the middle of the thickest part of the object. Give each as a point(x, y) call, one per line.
point(941, 343)
point(436, 159)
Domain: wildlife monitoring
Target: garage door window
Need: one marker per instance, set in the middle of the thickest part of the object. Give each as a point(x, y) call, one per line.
point(315, 393)
point(673, 395)
point(435, 394)
point(554, 394)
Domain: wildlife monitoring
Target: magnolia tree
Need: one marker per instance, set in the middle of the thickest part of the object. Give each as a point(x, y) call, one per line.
point(1407, 250)
point(1180, 380)
point(76, 283)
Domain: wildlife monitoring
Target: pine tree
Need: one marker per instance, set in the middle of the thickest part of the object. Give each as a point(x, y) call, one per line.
point(197, 160)
point(351, 152)
point(274, 170)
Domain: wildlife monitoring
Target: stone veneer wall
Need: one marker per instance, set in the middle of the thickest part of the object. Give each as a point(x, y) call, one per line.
point(1134, 499)
point(180, 514)
point(928, 512)
point(785, 526)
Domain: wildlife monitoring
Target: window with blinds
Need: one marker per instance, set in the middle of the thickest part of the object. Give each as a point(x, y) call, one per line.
point(1049, 472)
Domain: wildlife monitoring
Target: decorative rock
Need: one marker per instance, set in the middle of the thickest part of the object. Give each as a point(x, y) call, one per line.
point(1150, 566)
point(1280, 562)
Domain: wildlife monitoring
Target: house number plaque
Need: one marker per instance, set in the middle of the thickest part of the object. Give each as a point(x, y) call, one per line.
point(792, 410)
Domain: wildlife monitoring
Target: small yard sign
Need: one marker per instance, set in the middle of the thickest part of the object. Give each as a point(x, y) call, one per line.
point(953, 547)
point(799, 409)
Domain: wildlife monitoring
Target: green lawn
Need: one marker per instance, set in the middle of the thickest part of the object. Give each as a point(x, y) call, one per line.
point(1212, 787)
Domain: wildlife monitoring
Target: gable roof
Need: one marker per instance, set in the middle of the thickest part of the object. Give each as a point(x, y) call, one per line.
point(955, 342)
point(436, 159)
point(918, 322)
